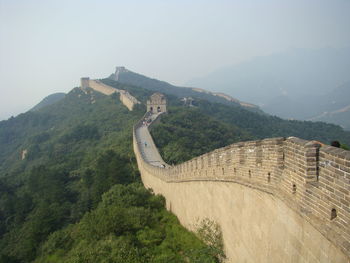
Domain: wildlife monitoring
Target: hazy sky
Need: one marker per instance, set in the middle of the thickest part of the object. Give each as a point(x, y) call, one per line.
point(46, 46)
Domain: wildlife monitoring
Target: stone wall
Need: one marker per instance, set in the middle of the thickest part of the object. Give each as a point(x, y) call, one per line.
point(275, 199)
point(125, 97)
point(101, 87)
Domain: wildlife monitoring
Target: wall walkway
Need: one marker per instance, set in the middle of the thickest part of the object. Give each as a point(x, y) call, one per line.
point(276, 200)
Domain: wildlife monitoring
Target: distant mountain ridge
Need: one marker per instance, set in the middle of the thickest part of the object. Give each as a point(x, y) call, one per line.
point(126, 76)
point(296, 84)
point(335, 107)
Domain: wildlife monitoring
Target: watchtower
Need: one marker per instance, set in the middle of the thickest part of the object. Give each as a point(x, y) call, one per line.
point(156, 103)
point(84, 83)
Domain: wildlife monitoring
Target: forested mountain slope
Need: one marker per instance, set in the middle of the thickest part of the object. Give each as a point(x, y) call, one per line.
point(57, 164)
point(187, 132)
point(251, 122)
point(51, 99)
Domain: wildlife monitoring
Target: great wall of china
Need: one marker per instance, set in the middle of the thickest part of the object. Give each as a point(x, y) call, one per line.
point(125, 97)
point(276, 200)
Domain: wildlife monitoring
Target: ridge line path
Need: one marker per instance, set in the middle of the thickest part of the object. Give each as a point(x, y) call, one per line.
point(148, 148)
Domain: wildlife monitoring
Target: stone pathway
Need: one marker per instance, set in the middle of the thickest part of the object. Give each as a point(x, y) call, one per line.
point(147, 146)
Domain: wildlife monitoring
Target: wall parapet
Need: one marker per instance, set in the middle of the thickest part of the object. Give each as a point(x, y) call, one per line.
point(313, 180)
point(125, 97)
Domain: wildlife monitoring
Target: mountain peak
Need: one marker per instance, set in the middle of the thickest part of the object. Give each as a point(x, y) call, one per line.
point(119, 70)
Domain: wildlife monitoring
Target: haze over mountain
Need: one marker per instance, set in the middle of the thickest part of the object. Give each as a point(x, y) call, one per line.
point(126, 76)
point(298, 83)
point(334, 106)
point(46, 45)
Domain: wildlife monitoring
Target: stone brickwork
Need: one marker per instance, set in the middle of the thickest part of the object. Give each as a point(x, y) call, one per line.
point(157, 103)
point(125, 97)
point(290, 196)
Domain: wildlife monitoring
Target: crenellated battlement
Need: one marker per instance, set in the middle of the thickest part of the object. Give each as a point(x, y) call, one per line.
point(311, 179)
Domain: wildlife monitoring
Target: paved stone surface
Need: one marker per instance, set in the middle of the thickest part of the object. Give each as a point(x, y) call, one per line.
point(148, 148)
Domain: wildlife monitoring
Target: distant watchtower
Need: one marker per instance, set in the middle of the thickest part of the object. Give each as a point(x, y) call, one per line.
point(84, 83)
point(156, 103)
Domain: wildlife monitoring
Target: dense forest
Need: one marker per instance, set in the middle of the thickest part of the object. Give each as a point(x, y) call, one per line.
point(266, 126)
point(187, 132)
point(70, 190)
